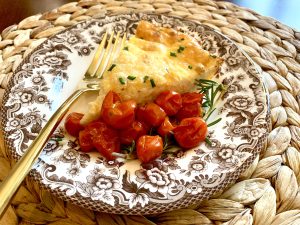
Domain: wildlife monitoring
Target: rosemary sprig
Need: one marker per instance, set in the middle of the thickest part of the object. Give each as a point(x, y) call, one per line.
point(208, 141)
point(129, 151)
point(214, 122)
point(169, 145)
point(212, 92)
point(209, 114)
point(130, 148)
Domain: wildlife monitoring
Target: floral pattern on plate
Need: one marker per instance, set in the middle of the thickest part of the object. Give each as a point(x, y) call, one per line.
point(52, 72)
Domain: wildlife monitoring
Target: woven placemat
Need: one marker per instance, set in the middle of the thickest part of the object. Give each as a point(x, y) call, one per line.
point(267, 193)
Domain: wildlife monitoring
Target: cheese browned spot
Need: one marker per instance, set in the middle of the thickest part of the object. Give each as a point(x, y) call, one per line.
point(160, 59)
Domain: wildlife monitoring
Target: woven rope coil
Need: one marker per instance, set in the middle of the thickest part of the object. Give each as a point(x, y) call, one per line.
point(267, 193)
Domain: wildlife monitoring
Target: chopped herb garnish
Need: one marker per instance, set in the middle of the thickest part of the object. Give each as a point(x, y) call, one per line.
point(180, 49)
point(152, 82)
point(125, 48)
point(111, 67)
point(122, 81)
point(214, 56)
point(173, 54)
point(146, 78)
point(190, 67)
point(131, 77)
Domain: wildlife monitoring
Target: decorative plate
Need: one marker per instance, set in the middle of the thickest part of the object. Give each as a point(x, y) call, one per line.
point(53, 71)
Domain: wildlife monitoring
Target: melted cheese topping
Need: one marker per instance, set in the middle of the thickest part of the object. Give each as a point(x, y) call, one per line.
point(158, 59)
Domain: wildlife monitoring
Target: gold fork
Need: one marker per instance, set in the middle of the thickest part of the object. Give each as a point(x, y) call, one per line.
point(100, 63)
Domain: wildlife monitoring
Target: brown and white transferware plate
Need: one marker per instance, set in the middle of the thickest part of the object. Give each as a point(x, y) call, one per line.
point(53, 71)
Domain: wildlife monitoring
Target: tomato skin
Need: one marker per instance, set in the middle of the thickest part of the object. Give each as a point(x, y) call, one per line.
point(151, 113)
point(188, 111)
point(107, 143)
point(133, 132)
point(120, 115)
point(86, 136)
point(104, 138)
point(149, 148)
point(190, 132)
point(165, 128)
point(191, 106)
point(72, 123)
point(169, 101)
point(191, 98)
point(85, 141)
point(115, 113)
point(110, 99)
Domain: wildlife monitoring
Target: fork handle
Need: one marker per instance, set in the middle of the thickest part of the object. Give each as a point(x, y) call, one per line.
point(18, 173)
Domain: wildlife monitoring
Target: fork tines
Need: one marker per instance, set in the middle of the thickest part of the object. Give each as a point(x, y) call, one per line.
point(105, 54)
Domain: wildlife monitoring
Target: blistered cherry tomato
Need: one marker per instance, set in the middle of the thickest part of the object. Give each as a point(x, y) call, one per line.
point(151, 113)
point(85, 141)
point(169, 101)
point(86, 136)
point(133, 132)
point(149, 148)
point(191, 106)
point(110, 99)
point(120, 115)
point(187, 111)
point(72, 123)
point(115, 113)
point(190, 132)
point(104, 139)
point(165, 128)
point(191, 98)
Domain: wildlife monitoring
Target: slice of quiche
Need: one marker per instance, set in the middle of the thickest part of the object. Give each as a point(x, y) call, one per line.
point(154, 60)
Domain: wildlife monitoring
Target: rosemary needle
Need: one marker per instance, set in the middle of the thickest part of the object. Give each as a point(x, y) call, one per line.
point(212, 92)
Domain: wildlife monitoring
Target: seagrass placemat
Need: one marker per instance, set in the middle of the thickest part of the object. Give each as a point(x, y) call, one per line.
point(267, 193)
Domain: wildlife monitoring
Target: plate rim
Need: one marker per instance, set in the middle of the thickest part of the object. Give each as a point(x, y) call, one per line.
point(34, 175)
